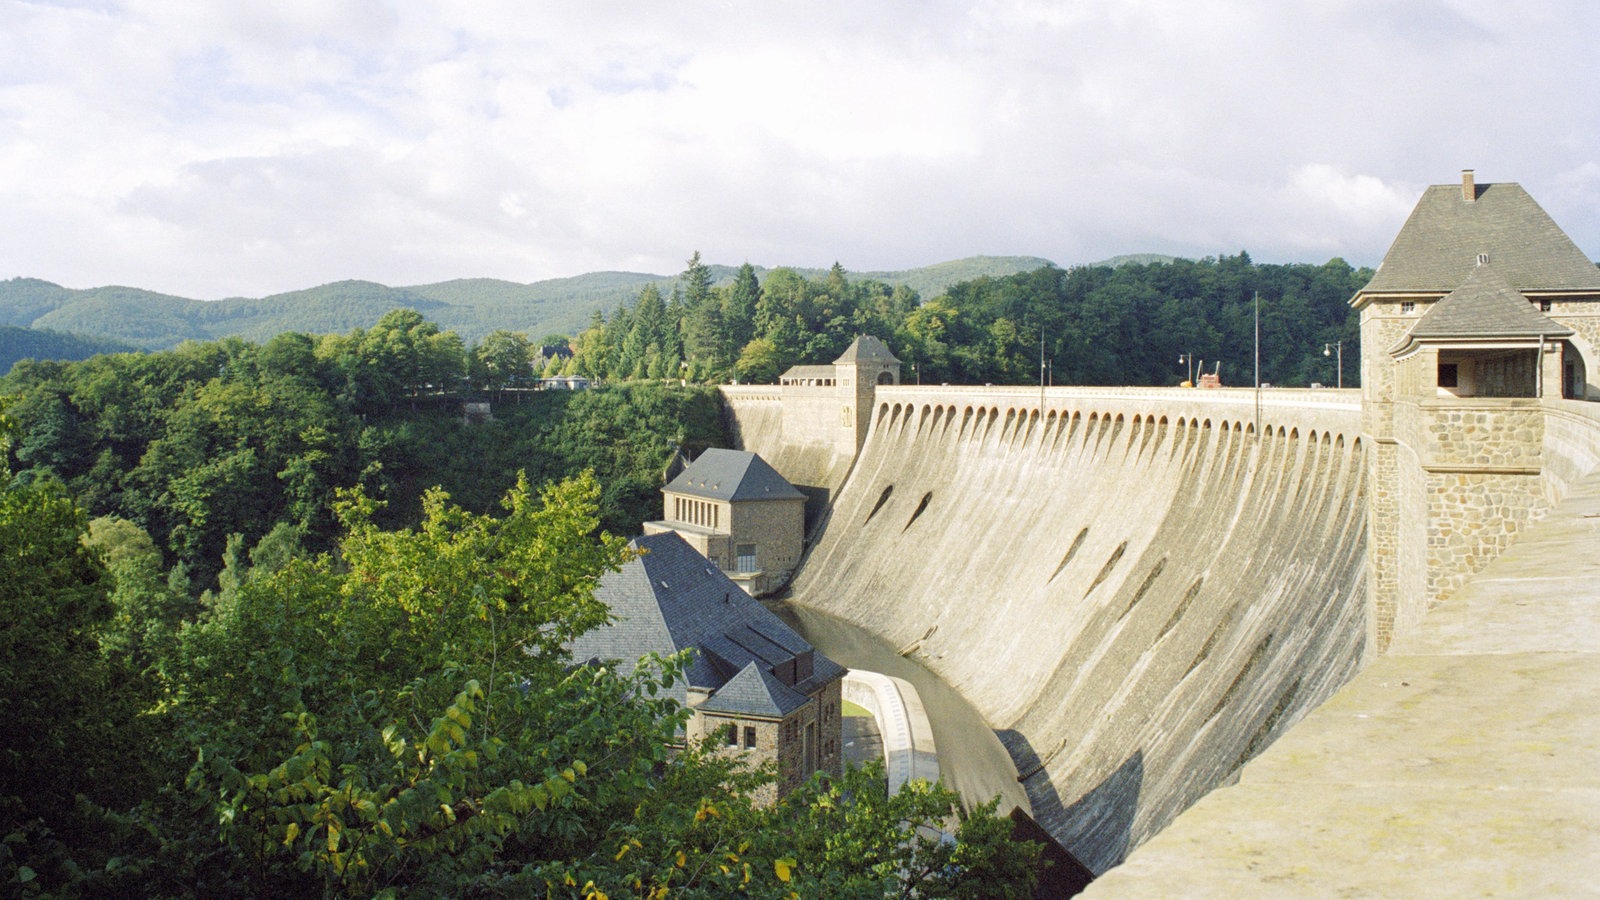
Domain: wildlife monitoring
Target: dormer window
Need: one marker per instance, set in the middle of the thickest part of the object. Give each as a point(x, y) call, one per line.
point(1408, 307)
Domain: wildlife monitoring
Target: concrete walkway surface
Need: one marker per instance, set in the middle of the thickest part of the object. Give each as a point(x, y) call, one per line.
point(1465, 763)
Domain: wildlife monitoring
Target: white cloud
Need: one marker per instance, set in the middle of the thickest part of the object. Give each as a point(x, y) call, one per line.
point(218, 149)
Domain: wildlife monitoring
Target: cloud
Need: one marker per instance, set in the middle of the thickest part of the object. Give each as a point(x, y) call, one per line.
point(219, 149)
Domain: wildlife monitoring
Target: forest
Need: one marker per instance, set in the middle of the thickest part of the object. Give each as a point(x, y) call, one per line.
point(1133, 324)
point(277, 621)
point(276, 618)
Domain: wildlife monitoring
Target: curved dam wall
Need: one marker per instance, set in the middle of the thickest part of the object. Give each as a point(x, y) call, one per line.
point(1137, 592)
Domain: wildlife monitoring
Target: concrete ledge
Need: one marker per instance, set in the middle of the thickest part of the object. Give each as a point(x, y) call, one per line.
point(1465, 763)
point(908, 748)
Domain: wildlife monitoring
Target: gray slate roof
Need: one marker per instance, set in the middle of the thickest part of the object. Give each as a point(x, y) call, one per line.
point(1439, 245)
point(867, 347)
point(827, 371)
point(755, 692)
point(733, 475)
point(669, 599)
point(1486, 306)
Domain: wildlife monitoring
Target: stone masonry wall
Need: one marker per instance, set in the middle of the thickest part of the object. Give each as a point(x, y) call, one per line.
point(1471, 519)
point(1505, 434)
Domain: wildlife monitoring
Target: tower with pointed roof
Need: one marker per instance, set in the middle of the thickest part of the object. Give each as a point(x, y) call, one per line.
point(1480, 316)
point(836, 400)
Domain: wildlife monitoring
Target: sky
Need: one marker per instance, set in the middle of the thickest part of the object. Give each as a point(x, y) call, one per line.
point(212, 149)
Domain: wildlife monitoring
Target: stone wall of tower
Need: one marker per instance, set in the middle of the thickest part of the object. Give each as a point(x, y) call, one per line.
point(1453, 480)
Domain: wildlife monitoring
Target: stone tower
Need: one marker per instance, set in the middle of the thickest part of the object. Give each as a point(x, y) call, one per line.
point(1472, 324)
point(859, 370)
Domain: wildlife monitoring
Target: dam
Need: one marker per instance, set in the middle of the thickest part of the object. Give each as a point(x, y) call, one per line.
point(1259, 641)
point(1135, 592)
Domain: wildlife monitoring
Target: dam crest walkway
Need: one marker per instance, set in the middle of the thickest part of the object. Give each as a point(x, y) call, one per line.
point(1466, 762)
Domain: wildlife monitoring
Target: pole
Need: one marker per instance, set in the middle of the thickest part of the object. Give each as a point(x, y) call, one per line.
point(1041, 372)
point(1258, 362)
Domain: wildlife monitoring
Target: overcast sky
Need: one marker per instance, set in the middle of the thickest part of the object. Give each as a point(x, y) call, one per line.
point(214, 148)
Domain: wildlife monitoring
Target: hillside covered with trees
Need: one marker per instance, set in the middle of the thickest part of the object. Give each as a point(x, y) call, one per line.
point(471, 307)
point(1093, 325)
point(27, 343)
point(250, 650)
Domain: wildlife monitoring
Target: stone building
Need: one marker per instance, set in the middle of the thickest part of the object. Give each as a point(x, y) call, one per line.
point(837, 399)
point(740, 514)
point(757, 687)
point(1482, 311)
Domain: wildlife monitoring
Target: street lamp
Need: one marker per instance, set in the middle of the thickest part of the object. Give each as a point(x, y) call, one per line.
point(1187, 359)
point(1336, 347)
point(916, 373)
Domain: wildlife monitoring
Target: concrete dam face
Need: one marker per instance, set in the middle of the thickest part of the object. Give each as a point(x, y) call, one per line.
point(1137, 592)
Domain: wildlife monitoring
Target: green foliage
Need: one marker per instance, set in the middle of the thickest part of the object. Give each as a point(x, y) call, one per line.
point(26, 343)
point(471, 307)
point(396, 718)
point(198, 444)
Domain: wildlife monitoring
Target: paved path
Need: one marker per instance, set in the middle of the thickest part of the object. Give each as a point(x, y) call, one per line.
point(1464, 763)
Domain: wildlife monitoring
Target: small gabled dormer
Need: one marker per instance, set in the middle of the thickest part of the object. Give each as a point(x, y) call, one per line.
point(1484, 339)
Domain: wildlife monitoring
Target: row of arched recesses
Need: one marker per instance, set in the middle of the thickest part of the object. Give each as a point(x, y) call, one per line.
point(1021, 423)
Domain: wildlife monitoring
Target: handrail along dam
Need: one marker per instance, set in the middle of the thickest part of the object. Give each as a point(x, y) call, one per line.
point(1135, 591)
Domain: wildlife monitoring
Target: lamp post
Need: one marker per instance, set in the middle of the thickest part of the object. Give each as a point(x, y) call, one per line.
point(1336, 347)
point(1188, 360)
point(917, 374)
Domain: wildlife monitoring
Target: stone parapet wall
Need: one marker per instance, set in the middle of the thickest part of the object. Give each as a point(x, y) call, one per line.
point(1484, 434)
point(1571, 444)
point(1471, 518)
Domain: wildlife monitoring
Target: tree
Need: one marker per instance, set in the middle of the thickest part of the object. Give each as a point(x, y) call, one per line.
point(501, 359)
point(759, 362)
point(68, 713)
point(739, 308)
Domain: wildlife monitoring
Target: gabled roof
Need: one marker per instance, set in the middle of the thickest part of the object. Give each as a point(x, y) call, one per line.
point(1485, 307)
point(733, 475)
point(1439, 245)
point(817, 372)
point(867, 348)
point(670, 599)
point(755, 692)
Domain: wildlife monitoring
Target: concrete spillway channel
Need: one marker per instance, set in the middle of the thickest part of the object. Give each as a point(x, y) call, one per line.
point(1136, 591)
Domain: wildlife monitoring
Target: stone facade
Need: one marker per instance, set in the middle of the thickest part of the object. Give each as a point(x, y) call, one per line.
point(805, 741)
point(738, 513)
point(757, 689)
point(1478, 320)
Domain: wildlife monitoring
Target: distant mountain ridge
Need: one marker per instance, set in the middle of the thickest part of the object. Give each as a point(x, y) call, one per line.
point(472, 307)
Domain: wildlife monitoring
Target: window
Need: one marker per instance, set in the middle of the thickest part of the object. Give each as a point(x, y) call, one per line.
point(749, 738)
point(1407, 307)
point(730, 734)
point(1449, 375)
point(747, 557)
point(1544, 306)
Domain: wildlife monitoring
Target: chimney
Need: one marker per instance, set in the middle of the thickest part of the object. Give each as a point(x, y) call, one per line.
point(1469, 188)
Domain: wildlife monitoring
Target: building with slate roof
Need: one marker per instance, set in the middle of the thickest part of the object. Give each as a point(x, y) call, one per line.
point(1482, 311)
point(755, 685)
point(740, 514)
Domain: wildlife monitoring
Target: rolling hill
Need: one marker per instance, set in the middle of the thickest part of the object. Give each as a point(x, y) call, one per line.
point(472, 307)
